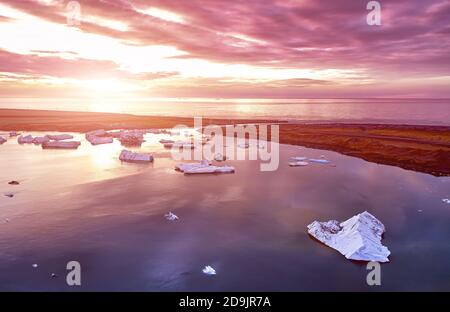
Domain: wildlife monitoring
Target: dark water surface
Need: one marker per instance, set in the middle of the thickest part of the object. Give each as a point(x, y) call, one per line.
point(250, 226)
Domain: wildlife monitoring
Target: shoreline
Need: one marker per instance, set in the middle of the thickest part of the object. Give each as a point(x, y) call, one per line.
point(419, 148)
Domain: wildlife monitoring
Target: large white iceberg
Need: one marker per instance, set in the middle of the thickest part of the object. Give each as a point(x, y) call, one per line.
point(61, 144)
point(358, 238)
point(130, 156)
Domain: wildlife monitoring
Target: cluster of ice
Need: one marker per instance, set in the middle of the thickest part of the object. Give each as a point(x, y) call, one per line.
point(132, 137)
point(130, 156)
point(358, 238)
point(40, 140)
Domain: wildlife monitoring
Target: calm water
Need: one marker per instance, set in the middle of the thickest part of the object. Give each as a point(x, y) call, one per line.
point(410, 111)
point(250, 226)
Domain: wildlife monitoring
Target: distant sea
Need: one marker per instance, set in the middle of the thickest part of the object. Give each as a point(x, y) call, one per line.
point(405, 111)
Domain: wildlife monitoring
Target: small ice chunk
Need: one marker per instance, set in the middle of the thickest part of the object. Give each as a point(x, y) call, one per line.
point(13, 182)
point(27, 139)
point(130, 156)
point(61, 145)
point(13, 133)
point(298, 158)
point(34, 265)
point(165, 141)
point(40, 140)
point(446, 200)
point(171, 216)
point(187, 166)
point(97, 137)
point(319, 161)
point(59, 137)
point(208, 270)
point(358, 238)
point(298, 163)
point(220, 157)
point(10, 195)
point(2, 140)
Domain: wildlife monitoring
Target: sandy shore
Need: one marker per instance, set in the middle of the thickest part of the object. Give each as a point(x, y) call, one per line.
point(419, 148)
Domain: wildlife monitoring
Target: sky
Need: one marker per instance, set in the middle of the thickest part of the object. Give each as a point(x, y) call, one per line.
point(258, 49)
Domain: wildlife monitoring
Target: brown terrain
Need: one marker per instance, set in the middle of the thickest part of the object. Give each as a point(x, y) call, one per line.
point(420, 148)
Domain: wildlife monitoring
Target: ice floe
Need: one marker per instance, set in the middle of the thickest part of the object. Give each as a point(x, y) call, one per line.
point(130, 156)
point(446, 200)
point(2, 140)
point(208, 270)
point(13, 133)
point(98, 137)
point(319, 161)
point(203, 167)
point(59, 137)
point(171, 216)
point(25, 139)
point(220, 157)
point(165, 141)
point(358, 238)
point(40, 140)
point(10, 195)
point(298, 163)
point(132, 137)
point(298, 158)
point(61, 145)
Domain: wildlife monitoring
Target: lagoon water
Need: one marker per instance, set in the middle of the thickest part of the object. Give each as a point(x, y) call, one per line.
point(405, 111)
point(86, 205)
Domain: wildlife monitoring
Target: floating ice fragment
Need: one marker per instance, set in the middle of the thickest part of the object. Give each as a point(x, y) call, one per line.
point(2, 140)
point(171, 216)
point(358, 238)
point(10, 195)
point(34, 265)
point(59, 137)
point(40, 140)
point(298, 163)
point(165, 141)
point(319, 161)
point(208, 270)
point(97, 137)
point(446, 200)
point(220, 157)
point(130, 156)
point(27, 139)
point(298, 158)
point(61, 145)
point(13, 182)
